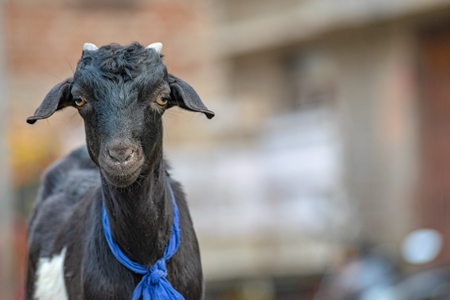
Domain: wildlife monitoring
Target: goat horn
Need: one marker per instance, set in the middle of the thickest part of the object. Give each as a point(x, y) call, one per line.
point(89, 47)
point(157, 46)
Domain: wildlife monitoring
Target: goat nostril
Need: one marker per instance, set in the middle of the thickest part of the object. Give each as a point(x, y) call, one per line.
point(121, 155)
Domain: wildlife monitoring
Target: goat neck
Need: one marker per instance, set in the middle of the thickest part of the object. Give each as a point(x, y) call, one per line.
point(139, 214)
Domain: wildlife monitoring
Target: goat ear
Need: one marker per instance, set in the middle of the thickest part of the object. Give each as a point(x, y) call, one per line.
point(186, 97)
point(57, 98)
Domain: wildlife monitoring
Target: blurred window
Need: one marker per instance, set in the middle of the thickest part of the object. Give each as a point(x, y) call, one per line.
point(310, 80)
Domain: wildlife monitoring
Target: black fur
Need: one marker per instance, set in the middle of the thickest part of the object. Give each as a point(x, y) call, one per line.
point(120, 85)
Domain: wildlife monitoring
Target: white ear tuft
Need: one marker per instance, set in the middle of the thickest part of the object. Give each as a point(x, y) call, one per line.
point(157, 46)
point(89, 47)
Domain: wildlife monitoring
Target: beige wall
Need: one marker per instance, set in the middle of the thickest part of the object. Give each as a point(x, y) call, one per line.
point(377, 99)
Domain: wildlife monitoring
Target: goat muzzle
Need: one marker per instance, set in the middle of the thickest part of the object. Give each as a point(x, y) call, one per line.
point(122, 155)
point(121, 162)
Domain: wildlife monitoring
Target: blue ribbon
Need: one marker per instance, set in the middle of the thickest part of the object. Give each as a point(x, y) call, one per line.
point(153, 284)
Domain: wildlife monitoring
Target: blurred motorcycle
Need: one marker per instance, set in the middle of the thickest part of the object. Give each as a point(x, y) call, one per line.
point(370, 274)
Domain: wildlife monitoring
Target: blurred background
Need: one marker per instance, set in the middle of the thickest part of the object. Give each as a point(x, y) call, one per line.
point(326, 171)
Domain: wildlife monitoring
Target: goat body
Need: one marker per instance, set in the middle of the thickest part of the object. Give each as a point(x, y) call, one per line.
point(121, 92)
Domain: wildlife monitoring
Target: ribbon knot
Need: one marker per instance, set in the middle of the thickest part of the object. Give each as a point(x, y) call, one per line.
point(153, 285)
point(158, 271)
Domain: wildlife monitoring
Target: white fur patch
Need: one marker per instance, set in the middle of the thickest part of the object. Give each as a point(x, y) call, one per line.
point(50, 278)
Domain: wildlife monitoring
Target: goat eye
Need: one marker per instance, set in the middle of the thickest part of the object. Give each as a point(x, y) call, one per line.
point(162, 100)
point(79, 101)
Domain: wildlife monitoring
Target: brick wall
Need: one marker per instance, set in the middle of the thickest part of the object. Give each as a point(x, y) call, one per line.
point(46, 38)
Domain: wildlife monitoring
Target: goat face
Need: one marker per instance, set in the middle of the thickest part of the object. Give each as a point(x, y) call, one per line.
point(121, 92)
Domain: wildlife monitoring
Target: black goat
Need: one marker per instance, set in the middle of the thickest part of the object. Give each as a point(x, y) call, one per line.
point(121, 92)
